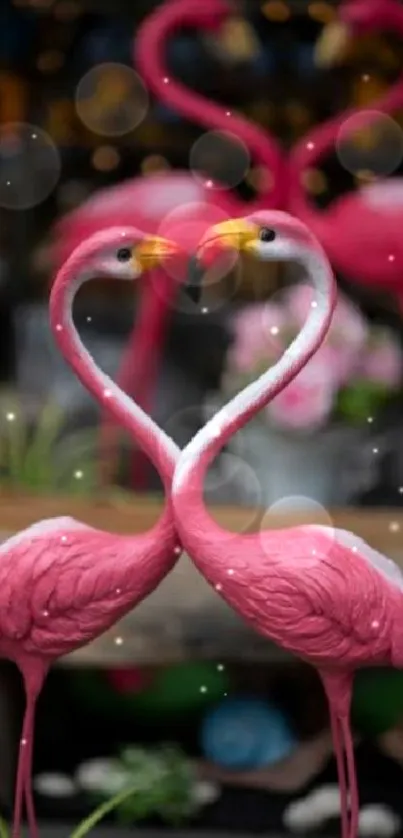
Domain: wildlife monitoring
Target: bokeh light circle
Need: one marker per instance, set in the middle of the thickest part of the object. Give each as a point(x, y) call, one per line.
point(186, 225)
point(370, 143)
point(303, 511)
point(219, 160)
point(111, 100)
point(30, 166)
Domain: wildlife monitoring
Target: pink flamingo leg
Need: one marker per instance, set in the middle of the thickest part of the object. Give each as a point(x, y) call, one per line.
point(34, 675)
point(352, 776)
point(337, 737)
point(29, 802)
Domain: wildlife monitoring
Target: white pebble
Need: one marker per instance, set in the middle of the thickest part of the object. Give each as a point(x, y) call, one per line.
point(378, 821)
point(55, 785)
point(105, 775)
point(204, 793)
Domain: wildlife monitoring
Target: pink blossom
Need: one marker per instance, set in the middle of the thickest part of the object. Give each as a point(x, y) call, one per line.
point(257, 337)
point(307, 402)
point(348, 326)
point(383, 361)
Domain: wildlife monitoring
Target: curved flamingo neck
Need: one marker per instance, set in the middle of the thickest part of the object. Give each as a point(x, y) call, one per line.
point(150, 59)
point(313, 147)
point(187, 489)
point(155, 443)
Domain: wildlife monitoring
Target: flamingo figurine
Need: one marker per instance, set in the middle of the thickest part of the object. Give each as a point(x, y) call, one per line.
point(319, 592)
point(361, 231)
point(174, 204)
point(64, 583)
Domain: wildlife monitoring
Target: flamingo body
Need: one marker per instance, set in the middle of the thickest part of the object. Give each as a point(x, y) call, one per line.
point(74, 582)
point(361, 232)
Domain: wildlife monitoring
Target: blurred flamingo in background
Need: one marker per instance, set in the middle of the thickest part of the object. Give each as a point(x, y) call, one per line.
point(321, 593)
point(361, 231)
point(150, 201)
point(63, 583)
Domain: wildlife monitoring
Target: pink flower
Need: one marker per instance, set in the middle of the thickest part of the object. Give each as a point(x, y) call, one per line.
point(383, 361)
point(307, 402)
point(257, 337)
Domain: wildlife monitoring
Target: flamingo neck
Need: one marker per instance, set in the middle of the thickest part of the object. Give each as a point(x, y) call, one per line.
point(150, 59)
point(313, 147)
point(206, 444)
point(155, 443)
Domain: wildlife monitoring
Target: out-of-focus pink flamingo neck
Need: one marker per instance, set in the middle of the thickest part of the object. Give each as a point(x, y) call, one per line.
point(149, 55)
point(155, 443)
point(207, 443)
point(312, 148)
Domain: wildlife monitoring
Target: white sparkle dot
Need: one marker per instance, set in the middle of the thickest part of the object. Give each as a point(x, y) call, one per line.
point(370, 419)
point(220, 667)
point(314, 304)
point(310, 146)
point(394, 526)
point(45, 613)
point(78, 474)
point(209, 184)
point(107, 394)
point(23, 741)
point(118, 641)
point(391, 257)
point(89, 319)
point(354, 549)
point(365, 77)
point(117, 591)
point(204, 310)
point(64, 538)
point(10, 417)
point(203, 689)
point(228, 113)
point(178, 551)
point(59, 327)
point(166, 80)
point(274, 330)
point(375, 450)
point(218, 586)
point(400, 490)
point(8, 183)
point(230, 571)
point(34, 136)
point(375, 624)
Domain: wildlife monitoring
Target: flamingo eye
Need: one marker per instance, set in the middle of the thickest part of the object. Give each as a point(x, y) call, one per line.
point(124, 254)
point(266, 235)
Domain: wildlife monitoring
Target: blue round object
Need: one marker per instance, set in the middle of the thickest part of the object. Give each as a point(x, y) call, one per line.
point(246, 733)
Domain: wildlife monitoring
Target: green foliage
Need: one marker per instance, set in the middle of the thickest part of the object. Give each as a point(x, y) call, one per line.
point(38, 458)
point(163, 780)
point(355, 403)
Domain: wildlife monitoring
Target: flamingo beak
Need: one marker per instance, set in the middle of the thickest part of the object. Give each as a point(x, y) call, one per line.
point(153, 251)
point(236, 234)
point(332, 46)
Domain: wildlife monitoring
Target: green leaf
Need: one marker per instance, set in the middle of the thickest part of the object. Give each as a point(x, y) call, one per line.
point(360, 400)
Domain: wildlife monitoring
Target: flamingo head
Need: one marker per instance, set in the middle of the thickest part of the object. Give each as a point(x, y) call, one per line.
point(356, 17)
point(124, 253)
point(268, 235)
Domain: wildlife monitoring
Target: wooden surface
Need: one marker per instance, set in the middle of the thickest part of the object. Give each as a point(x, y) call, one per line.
point(184, 618)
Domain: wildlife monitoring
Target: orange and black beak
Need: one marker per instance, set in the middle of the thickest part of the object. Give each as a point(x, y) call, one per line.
point(153, 251)
point(237, 234)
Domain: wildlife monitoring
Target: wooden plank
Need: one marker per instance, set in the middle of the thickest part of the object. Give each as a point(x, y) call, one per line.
point(184, 618)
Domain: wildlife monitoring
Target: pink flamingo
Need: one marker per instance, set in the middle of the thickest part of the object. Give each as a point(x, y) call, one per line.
point(150, 201)
point(64, 583)
point(321, 593)
point(361, 231)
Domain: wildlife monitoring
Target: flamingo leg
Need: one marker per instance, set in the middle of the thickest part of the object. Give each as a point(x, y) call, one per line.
point(352, 776)
point(23, 762)
point(337, 736)
point(29, 802)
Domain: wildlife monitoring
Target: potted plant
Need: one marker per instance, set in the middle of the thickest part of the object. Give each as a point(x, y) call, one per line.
point(316, 438)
